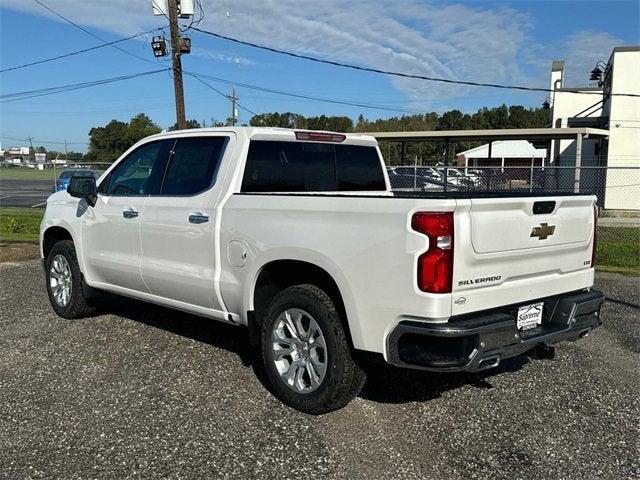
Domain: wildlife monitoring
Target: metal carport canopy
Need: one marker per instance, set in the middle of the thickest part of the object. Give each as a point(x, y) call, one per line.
point(495, 134)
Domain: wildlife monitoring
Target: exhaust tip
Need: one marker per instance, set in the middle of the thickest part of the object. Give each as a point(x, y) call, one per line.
point(489, 362)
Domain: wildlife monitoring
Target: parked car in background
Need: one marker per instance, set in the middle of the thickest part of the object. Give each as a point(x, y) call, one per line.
point(404, 182)
point(459, 179)
point(419, 171)
point(419, 177)
point(63, 180)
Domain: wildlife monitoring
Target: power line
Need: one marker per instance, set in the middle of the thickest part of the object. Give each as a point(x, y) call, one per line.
point(77, 52)
point(392, 73)
point(300, 95)
point(42, 141)
point(88, 112)
point(197, 77)
point(73, 86)
point(88, 32)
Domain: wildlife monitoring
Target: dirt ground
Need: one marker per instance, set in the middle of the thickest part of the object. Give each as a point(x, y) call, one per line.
point(17, 252)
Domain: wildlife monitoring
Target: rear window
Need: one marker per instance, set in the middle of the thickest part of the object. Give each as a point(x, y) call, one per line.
point(311, 167)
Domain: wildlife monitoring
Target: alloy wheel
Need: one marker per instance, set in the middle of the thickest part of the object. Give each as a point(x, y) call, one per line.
point(60, 280)
point(299, 350)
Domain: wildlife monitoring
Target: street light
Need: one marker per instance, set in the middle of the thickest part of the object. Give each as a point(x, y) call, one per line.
point(159, 46)
point(596, 73)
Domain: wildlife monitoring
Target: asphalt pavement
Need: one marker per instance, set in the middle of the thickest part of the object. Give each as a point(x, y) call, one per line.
point(24, 193)
point(140, 391)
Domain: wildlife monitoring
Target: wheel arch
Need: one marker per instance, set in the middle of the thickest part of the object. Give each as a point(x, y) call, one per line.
point(276, 274)
point(53, 234)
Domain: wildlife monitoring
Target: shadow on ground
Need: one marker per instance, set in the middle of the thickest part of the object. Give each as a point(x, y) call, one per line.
point(385, 384)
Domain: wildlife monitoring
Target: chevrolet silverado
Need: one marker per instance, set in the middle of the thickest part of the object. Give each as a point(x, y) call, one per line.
point(298, 236)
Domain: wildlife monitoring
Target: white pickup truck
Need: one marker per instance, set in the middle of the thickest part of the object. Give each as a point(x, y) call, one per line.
point(297, 236)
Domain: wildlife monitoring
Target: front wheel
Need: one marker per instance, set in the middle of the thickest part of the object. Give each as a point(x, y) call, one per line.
point(305, 352)
point(64, 282)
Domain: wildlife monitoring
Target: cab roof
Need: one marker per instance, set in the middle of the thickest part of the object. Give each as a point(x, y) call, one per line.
point(275, 134)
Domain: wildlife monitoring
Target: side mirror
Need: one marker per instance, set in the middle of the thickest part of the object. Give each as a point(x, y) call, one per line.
point(83, 187)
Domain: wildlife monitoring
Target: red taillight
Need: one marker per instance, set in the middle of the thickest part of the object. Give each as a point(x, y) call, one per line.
point(595, 235)
point(321, 137)
point(435, 266)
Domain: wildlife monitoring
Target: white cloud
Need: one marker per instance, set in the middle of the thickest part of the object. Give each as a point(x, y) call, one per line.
point(454, 41)
point(219, 56)
point(582, 50)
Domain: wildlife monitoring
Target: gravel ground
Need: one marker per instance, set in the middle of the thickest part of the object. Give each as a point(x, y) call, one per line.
point(145, 392)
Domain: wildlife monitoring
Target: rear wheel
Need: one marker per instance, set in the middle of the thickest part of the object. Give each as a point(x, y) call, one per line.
point(64, 282)
point(305, 352)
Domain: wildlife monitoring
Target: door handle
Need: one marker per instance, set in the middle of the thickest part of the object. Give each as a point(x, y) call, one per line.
point(198, 218)
point(129, 213)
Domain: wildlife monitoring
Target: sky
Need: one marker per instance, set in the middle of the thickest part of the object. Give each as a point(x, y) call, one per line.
point(509, 42)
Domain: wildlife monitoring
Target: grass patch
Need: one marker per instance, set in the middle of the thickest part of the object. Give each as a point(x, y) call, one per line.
point(618, 249)
point(20, 224)
point(620, 254)
point(633, 272)
point(22, 173)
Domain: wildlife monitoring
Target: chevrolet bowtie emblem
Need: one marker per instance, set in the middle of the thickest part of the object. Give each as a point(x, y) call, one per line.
point(543, 231)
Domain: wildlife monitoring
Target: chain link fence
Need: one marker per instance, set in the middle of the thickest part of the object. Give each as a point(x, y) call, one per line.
point(617, 189)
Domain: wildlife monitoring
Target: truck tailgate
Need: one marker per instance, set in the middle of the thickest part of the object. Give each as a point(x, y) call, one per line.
point(522, 249)
point(512, 223)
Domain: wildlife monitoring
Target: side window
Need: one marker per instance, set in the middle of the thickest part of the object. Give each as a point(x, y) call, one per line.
point(359, 168)
point(289, 167)
point(139, 173)
point(271, 167)
point(311, 167)
point(193, 165)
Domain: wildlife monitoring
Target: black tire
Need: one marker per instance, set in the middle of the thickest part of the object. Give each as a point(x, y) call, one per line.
point(78, 306)
point(343, 379)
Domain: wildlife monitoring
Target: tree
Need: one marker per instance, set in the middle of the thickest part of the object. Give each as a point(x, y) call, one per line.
point(70, 155)
point(332, 123)
point(216, 123)
point(193, 123)
point(139, 127)
point(454, 120)
point(107, 143)
point(499, 117)
point(282, 120)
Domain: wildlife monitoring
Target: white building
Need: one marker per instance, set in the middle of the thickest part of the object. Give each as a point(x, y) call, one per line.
point(605, 107)
point(603, 157)
point(504, 153)
point(16, 155)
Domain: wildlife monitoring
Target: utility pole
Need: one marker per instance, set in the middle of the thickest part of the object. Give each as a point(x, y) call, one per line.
point(234, 111)
point(177, 64)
